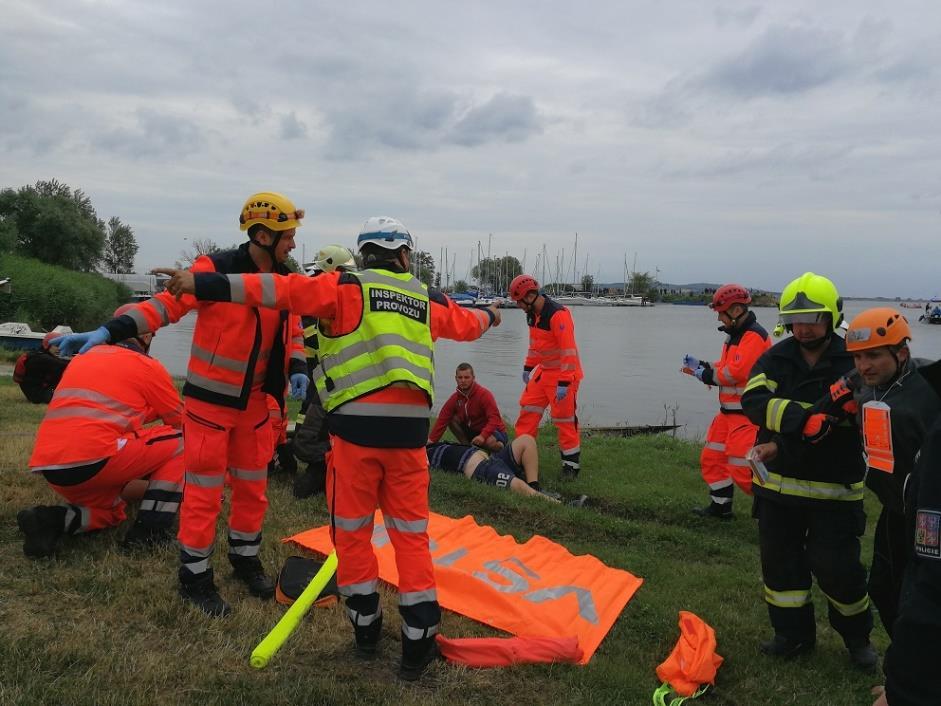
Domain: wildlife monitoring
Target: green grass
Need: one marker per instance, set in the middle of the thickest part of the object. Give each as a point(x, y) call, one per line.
point(97, 627)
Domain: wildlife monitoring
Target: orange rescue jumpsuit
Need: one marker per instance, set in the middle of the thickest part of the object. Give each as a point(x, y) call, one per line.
point(378, 446)
point(552, 361)
point(92, 441)
point(238, 355)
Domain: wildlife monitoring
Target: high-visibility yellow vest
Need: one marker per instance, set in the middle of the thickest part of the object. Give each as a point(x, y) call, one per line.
point(391, 344)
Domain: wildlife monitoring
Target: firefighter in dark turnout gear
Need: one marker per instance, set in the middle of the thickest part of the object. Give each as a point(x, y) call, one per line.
point(911, 662)
point(731, 435)
point(897, 405)
point(810, 509)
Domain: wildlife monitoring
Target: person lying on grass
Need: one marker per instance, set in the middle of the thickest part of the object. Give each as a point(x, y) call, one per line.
point(515, 467)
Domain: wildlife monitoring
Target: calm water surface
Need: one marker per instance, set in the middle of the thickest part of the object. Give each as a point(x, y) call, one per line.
point(631, 358)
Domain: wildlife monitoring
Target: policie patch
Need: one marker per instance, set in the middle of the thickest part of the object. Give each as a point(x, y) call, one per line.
point(928, 534)
point(390, 301)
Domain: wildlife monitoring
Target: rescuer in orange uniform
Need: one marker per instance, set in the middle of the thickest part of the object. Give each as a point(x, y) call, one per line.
point(731, 434)
point(376, 333)
point(552, 371)
point(93, 442)
point(238, 356)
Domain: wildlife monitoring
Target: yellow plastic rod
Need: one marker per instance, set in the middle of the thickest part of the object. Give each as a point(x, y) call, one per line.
point(267, 648)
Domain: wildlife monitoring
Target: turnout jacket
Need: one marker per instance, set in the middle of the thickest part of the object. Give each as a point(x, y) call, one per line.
point(914, 405)
point(552, 344)
point(741, 350)
point(911, 662)
point(781, 393)
point(387, 417)
point(476, 409)
point(235, 349)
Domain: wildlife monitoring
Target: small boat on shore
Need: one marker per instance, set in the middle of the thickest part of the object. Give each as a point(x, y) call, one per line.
point(20, 336)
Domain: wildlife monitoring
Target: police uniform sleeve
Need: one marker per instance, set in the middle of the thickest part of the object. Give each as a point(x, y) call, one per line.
point(912, 675)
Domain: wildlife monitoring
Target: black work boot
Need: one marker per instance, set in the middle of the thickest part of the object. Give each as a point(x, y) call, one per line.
point(578, 502)
point(416, 656)
point(863, 655)
point(569, 472)
point(310, 482)
point(145, 536)
point(201, 591)
point(366, 637)
point(715, 511)
point(248, 570)
point(786, 647)
point(43, 525)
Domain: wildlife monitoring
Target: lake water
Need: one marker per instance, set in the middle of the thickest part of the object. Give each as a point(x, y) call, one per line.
point(631, 359)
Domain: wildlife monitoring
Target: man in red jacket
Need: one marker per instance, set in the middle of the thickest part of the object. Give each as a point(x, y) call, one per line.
point(93, 442)
point(471, 414)
point(552, 371)
point(239, 355)
point(731, 435)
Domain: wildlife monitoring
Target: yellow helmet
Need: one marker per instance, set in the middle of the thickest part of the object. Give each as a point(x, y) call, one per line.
point(333, 257)
point(808, 296)
point(274, 211)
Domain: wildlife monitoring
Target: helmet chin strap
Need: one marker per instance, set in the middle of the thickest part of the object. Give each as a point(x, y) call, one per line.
point(270, 249)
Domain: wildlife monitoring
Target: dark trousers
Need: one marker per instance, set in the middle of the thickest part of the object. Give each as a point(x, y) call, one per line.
point(815, 539)
point(889, 559)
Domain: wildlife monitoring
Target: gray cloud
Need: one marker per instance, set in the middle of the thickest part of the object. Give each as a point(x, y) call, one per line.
point(504, 118)
point(783, 60)
point(292, 128)
point(154, 135)
point(736, 16)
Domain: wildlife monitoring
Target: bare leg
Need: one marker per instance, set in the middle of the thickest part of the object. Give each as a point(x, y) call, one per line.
point(526, 455)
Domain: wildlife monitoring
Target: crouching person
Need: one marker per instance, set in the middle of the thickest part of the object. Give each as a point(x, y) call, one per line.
point(93, 442)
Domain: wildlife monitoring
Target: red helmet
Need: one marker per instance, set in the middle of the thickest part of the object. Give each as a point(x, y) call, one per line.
point(51, 336)
point(521, 286)
point(729, 294)
point(123, 309)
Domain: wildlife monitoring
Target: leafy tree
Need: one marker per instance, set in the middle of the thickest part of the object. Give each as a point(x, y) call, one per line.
point(424, 266)
point(120, 247)
point(438, 279)
point(496, 273)
point(200, 246)
point(460, 286)
point(641, 283)
point(53, 224)
point(588, 283)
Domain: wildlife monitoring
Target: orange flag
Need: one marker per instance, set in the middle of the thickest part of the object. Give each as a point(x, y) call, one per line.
point(535, 589)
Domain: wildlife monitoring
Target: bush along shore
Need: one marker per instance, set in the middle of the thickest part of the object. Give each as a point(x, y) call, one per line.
point(45, 296)
point(96, 626)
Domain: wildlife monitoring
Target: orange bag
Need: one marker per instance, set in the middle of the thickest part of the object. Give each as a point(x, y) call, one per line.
point(691, 667)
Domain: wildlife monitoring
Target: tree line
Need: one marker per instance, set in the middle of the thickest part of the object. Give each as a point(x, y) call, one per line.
point(51, 222)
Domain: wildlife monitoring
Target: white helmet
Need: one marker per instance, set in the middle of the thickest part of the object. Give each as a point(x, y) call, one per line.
point(333, 257)
point(385, 232)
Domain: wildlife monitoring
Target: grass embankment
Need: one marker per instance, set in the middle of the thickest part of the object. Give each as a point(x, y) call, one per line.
point(98, 627)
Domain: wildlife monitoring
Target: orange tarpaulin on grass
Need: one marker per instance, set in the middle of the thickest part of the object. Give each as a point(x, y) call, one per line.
point(535, 589)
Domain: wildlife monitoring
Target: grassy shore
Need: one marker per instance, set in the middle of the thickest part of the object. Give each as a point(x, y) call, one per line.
point(95, 626)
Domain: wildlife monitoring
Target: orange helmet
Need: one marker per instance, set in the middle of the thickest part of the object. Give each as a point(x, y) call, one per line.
point(729, 294)
point(522, 285)
point(877, 327)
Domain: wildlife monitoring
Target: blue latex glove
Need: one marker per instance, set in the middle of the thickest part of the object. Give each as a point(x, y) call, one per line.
point(691, 362)
point(698, 372)
point(560, 392)
point(81, 342)
point(299, 383)
point(526, 374)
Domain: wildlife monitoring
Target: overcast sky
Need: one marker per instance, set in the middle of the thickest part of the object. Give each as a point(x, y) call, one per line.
point(719, 141)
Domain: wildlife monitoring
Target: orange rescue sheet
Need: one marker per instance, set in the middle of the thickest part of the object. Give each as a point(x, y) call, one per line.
point(536, 589)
